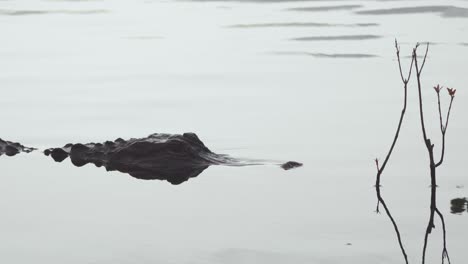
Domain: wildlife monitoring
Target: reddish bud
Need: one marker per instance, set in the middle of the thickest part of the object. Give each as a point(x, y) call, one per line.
point(451, 91)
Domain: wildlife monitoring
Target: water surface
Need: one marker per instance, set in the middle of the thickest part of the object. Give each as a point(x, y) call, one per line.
point(71, 75)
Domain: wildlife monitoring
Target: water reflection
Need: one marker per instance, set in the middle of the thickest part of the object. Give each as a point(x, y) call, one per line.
point(265, 1)
point(325, 8)
point(381, 201)
point(435, 210)
point(255, 256)
point(47, 12)
point(339, 37)
point(327, 55)
point(301, 24)
point(444, 11)
point(459, 205)
point(145, 37)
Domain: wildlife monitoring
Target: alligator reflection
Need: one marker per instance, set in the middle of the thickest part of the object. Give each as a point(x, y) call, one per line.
point(433, 211)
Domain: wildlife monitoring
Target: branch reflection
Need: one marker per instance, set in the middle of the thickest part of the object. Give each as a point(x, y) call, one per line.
point(458, 205)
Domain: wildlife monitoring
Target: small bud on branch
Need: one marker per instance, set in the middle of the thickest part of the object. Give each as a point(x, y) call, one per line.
point(451, 92)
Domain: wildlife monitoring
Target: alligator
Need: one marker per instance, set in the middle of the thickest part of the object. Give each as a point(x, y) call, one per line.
point(12, 148)
point(171, 157)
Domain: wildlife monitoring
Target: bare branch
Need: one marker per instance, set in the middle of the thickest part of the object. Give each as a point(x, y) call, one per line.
point(440, 114)
point(430, 149)
point(448, 115)
point(381, 168)
point(400, 122)
point(410, 70)
point(421, 114)
point(444, 130)
point(397, 47)
point(424, 60)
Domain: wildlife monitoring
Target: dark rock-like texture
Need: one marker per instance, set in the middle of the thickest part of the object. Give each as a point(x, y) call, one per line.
point(174, 158)
point(459, 205)
point(291, 165)
point(12, 148)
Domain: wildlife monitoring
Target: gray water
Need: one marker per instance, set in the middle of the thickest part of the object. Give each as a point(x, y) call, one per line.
point(275, 80)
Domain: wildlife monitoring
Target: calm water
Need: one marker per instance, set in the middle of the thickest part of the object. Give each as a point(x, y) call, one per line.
point(315, 82)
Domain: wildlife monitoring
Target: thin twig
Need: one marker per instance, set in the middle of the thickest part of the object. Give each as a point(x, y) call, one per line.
point(444, 130)
point(421, 114)
point(448, 114)
point(397, 133)
point(440, 113)
point(444, 251)
point(424, 60)
point(380, 169)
